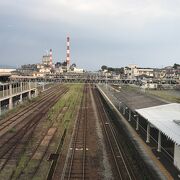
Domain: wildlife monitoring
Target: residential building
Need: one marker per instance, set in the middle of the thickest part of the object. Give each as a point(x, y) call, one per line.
point(133, 72)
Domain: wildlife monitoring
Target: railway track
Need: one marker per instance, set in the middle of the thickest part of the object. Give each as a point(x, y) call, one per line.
point(123, 168)
point(11, 141)
point(34, 171)
point(78, 159)
point(77, 162)
point(53, 170)
point(21, 118)
point(26, 123)
point(25, 111)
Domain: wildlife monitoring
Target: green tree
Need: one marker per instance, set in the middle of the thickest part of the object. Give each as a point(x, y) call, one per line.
point(175, 66)
point(104, 67)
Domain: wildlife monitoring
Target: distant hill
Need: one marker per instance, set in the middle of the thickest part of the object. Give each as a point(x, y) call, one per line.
point(7, 66)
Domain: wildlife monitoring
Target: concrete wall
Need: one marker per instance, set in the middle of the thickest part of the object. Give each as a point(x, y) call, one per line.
point(177, 156)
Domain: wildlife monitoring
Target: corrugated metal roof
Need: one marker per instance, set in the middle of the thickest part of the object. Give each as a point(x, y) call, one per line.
point(166, 118)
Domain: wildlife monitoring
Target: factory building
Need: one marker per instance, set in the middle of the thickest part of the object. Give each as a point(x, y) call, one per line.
point(47, 59)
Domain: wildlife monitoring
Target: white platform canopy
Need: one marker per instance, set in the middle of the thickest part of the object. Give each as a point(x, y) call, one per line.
point(166, 118)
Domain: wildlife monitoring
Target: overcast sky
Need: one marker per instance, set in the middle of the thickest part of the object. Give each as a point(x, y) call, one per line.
point(103, 32)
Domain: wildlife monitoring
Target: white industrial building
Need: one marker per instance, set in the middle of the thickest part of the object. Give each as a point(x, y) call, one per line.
point(77, 70)
point(46, 60)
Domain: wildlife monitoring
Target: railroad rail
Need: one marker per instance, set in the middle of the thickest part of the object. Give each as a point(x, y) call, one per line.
point(123, 168)
point(38, 148)
point(77, 163)
point(13, 120)
point(11, 140)
point(54, 172)
point(29, 119)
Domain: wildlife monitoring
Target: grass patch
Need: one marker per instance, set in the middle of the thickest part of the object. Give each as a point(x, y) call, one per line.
point(163, 94)
point(12, 130)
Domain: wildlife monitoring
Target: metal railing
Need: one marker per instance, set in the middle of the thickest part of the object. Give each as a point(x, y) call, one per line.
point(16, 88)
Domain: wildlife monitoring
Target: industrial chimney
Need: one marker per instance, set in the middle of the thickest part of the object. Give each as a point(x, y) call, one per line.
point(50, 54)
point(68, 53)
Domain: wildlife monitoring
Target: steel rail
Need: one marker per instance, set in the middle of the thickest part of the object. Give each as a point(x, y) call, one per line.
point(14, 139)
point(114, 135)
point(77, 127)
point(34, 106)
point(120, 150)
point(97, 99)
point(84, 133)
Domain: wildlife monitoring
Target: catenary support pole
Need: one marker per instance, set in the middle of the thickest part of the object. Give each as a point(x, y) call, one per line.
point(148, 133)
point(159, 141)
point(129, 115)
point(137, 123)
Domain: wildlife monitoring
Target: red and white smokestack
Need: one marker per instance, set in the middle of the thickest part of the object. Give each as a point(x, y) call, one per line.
point(50, 54)
point(68, 53)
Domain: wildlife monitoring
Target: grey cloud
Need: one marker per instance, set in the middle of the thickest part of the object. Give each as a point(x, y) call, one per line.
point(114, 32)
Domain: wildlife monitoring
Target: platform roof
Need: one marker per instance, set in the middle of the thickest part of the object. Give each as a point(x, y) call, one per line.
point(166, 118)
